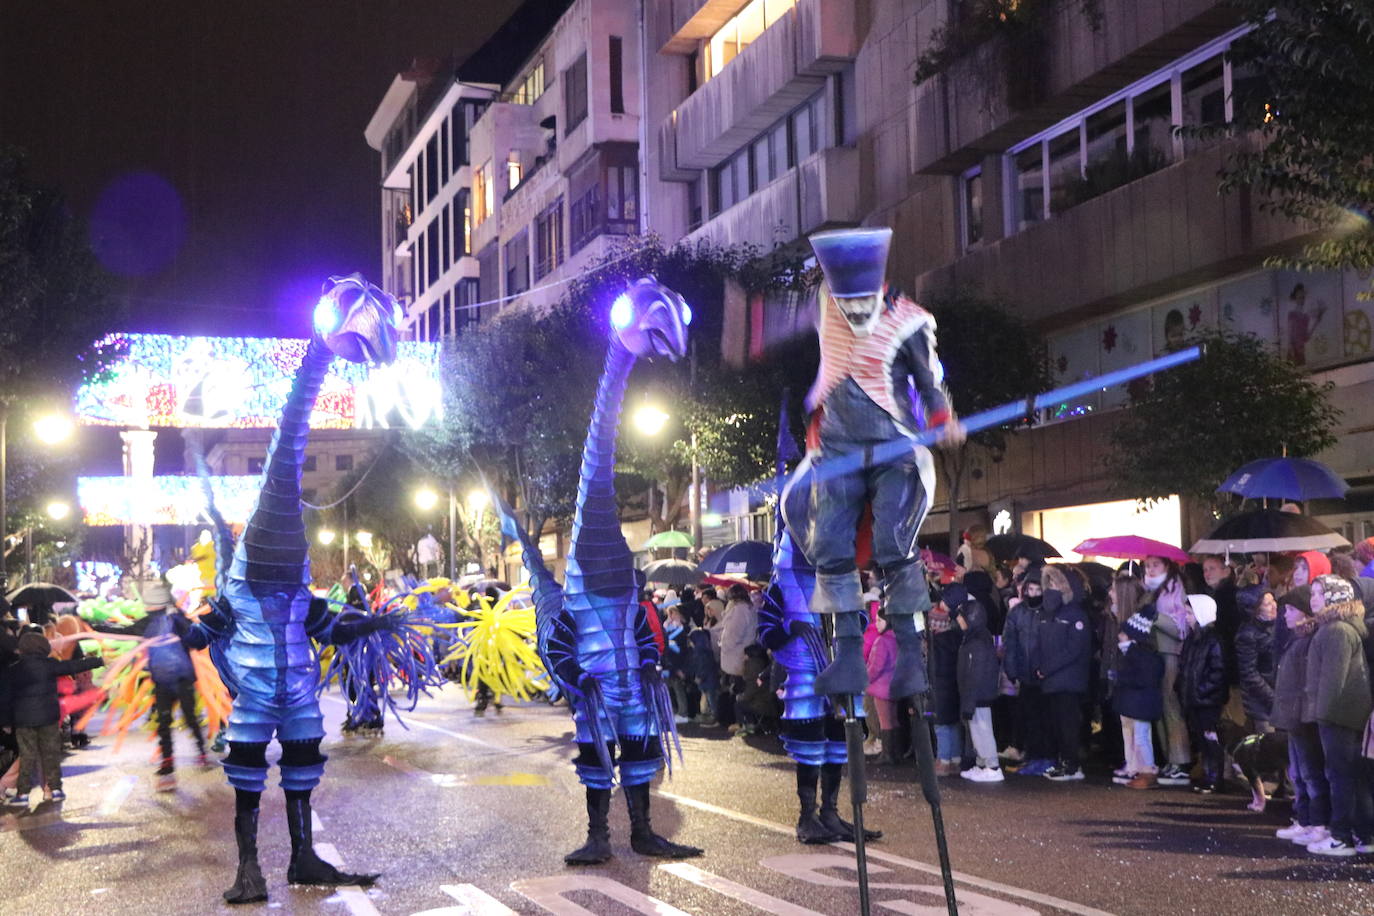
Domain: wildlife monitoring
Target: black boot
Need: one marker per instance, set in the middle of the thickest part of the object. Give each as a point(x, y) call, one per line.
point(830, 812)
point(892, 747)
point(249, 884)
point(643, 840)
point(306, 867)
point(597, 849)
point(809, 828)
point(847, 674)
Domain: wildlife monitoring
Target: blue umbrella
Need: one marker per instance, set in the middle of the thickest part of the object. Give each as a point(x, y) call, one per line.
point(751, 559)
point(1297, 479)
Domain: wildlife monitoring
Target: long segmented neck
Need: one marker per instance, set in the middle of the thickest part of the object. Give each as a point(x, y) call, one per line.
point(274, 549)
point(600, 559)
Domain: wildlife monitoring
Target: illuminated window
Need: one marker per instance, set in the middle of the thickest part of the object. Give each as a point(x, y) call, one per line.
point(484, 194)
point(514, 172)
point(740, 32)
point(531, 87)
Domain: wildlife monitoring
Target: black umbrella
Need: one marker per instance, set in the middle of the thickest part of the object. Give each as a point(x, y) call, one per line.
point(1007, 547)
point(751, 559)
point(39, 598)
point(1269, 531)
point(675, 573)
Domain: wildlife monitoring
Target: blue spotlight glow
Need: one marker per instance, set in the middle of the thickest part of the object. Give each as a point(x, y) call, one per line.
point(326, 317)
point(622, 312)
point(686, 314)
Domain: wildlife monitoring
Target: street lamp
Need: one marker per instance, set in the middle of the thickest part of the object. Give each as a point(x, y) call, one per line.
point(478, 500)
point(650, 420)
point(426, 499)
point(325, 536)
point(53, 428)
point(58, 510)
point(363, 539)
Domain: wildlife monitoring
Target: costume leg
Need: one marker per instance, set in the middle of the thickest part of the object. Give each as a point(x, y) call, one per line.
point(186, 694)
point(846, 674)
point(907, 594)
point(597, 849)
point(302, 765)
point(836, 504)
point(804, 741)
point(836, 753)
point(246, 768)
point(900, 503)
point(640, 759)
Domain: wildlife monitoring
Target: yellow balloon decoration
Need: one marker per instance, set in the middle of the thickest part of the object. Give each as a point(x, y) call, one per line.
point(496, 646)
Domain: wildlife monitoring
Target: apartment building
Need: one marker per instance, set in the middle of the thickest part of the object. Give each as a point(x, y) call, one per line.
point(1054, 180)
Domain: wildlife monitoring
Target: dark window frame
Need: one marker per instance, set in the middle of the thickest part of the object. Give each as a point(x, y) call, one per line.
point(616, 64)
point(576, 105)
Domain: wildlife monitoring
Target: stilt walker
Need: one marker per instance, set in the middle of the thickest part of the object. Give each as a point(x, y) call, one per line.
point(880, 380)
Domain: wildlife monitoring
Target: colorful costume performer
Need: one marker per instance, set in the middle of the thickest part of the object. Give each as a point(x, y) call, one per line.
point(264, 619)
point(812, 734)
point(879, 380)
point(593, 635)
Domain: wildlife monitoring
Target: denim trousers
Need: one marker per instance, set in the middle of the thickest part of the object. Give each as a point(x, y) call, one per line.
point(1307, 769)
point(949, 741)
point(1352, 811)
point(1138, 738)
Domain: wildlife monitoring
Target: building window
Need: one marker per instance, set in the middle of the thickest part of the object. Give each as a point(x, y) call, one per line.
point(343, 462)
point(694, 213)
point(617, 76)
point(517, 253)
point(584, 222)
point(444, 170)
point(446, 242)
point(255, 465)
point(548, 240)
point(431, 168)
point(432, 253)
point(466, 308)
point(531, 87)
point(483, 194)
point(622, 199)
point(575, 94)
point(309, 463)
point(740, 32)
point(308, 495)
point(432, 322)
point(465, 207)
point(514, 173)
point(971, 207)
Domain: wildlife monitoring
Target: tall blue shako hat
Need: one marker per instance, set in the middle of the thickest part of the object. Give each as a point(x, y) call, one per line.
point(854, 261)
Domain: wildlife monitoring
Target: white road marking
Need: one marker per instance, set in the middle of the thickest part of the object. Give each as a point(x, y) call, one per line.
point(548, 893)
point(316, 822)
point(352, 896)
point(807, 867)
point(476, 901)
point(875, 854)
point(416, 723)
point(114, 799)
point(728, 888)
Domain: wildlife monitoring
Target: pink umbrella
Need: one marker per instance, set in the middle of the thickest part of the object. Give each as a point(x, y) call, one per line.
point(940, 563)
point(1130, 547)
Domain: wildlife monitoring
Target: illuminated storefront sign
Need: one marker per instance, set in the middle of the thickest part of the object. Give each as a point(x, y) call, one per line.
point(242, 382)
point(1068, 526)
point(164, 500)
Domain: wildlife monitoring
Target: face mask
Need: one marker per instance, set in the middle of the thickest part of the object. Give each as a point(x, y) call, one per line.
point(1035, 601)
point(862, 313)
point(1154, 582)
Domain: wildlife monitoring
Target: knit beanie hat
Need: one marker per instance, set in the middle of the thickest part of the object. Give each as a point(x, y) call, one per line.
point(1300, 598)
point(1335, 590)
point(34, 644)
point(1139, 624)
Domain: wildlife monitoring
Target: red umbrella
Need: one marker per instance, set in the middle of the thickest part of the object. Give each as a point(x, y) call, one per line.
point(1130, 547)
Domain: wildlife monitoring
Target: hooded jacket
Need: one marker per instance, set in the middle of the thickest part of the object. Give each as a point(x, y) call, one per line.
point(33, 687)
point(1063, 639)
point(169, 663)
point(1337, 675)
point(1018, 635)
point(882, 662)
point(1255, 664)
point(1291, 709)
point(1139, 676)
point(978, 669)
point(1202, 670)
point(945, 639)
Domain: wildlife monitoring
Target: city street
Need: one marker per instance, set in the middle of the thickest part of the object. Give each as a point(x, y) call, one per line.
point(464, 815)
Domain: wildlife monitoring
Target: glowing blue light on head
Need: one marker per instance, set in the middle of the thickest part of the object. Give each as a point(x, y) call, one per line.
point(686, 314)
point(326, 318)
point(622, 312)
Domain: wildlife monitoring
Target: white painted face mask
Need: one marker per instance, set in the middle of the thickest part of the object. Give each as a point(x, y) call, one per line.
point(861, 312)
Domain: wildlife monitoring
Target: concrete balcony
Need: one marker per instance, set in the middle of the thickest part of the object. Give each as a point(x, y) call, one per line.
point(783, 67)
point(821, 192)
point(1161, 233)
point(993, 97)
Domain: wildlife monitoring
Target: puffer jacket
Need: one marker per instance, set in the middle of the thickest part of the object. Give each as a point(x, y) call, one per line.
point(1202, 670)
point(978, 669)
point(1255, 664)
point(1063, 646)
point(1337, 674)
point(1291, 708)
point(944, 670)
point(1018, 642)
point(882, 663)
point(1139, 674)
point(33, 686)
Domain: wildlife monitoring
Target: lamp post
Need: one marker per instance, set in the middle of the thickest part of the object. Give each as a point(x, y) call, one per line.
point(478, 500)
point(650, 420)
point(50, 429)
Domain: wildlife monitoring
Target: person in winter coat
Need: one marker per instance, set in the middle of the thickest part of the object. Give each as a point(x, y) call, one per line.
point(1202, 690)
point(881, 661)
point(738, 631)
point(174, 677)
point(944, 681)
point(704, 671)
point(1061, 659)
point(1033, 744)
point(1138, 698)
point(1293, 714)
point(33, 684)
point(978, 674)
point(1173, 623)
point(1338, 688)
point(1255, 656)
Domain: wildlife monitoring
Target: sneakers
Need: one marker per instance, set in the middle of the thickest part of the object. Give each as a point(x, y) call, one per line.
point(1331, 847)
point(20, 801)
point(166, 782)
point(946, 767)
point(57, 795)
point(873, 747)
point(1062, 774)
point(1037, 767)
point(681, 720)
point(1143, 781)
point(983, 774)
point(1292, 830)
point(1013, 754)
point(1173, 775)
point(1204, 788)
point(1313, 834)
point(1121, 777)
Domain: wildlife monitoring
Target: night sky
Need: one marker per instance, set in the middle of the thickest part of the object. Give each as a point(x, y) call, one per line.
point(218, 147)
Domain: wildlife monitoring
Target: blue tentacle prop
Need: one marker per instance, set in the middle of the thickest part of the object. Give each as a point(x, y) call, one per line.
point(366, 667)
point(660, 704)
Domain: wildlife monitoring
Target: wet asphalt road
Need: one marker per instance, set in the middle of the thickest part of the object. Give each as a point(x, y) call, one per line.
point(472, 816)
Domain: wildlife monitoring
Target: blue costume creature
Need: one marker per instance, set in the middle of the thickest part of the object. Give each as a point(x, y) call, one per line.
point(265, 621)
point(812, 733)
point(880, 379)
point(592, 633)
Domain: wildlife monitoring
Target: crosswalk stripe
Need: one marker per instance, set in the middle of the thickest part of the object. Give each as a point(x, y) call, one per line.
point(766, 902)
point(352, 896)
point(477, 901)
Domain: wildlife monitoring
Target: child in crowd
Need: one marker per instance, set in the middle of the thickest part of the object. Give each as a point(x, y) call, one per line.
point(1062, 659)
point(881, 662)
point(944, 681)
point(978, 675)
point(1138, 698)
point(33, 686)
point(1292, 712)
point(1203, 691)
point(1173, 624)
point(1255, 655)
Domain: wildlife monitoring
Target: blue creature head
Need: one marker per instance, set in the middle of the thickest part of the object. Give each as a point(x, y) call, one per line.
point(651, 320)
point(358, 321)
